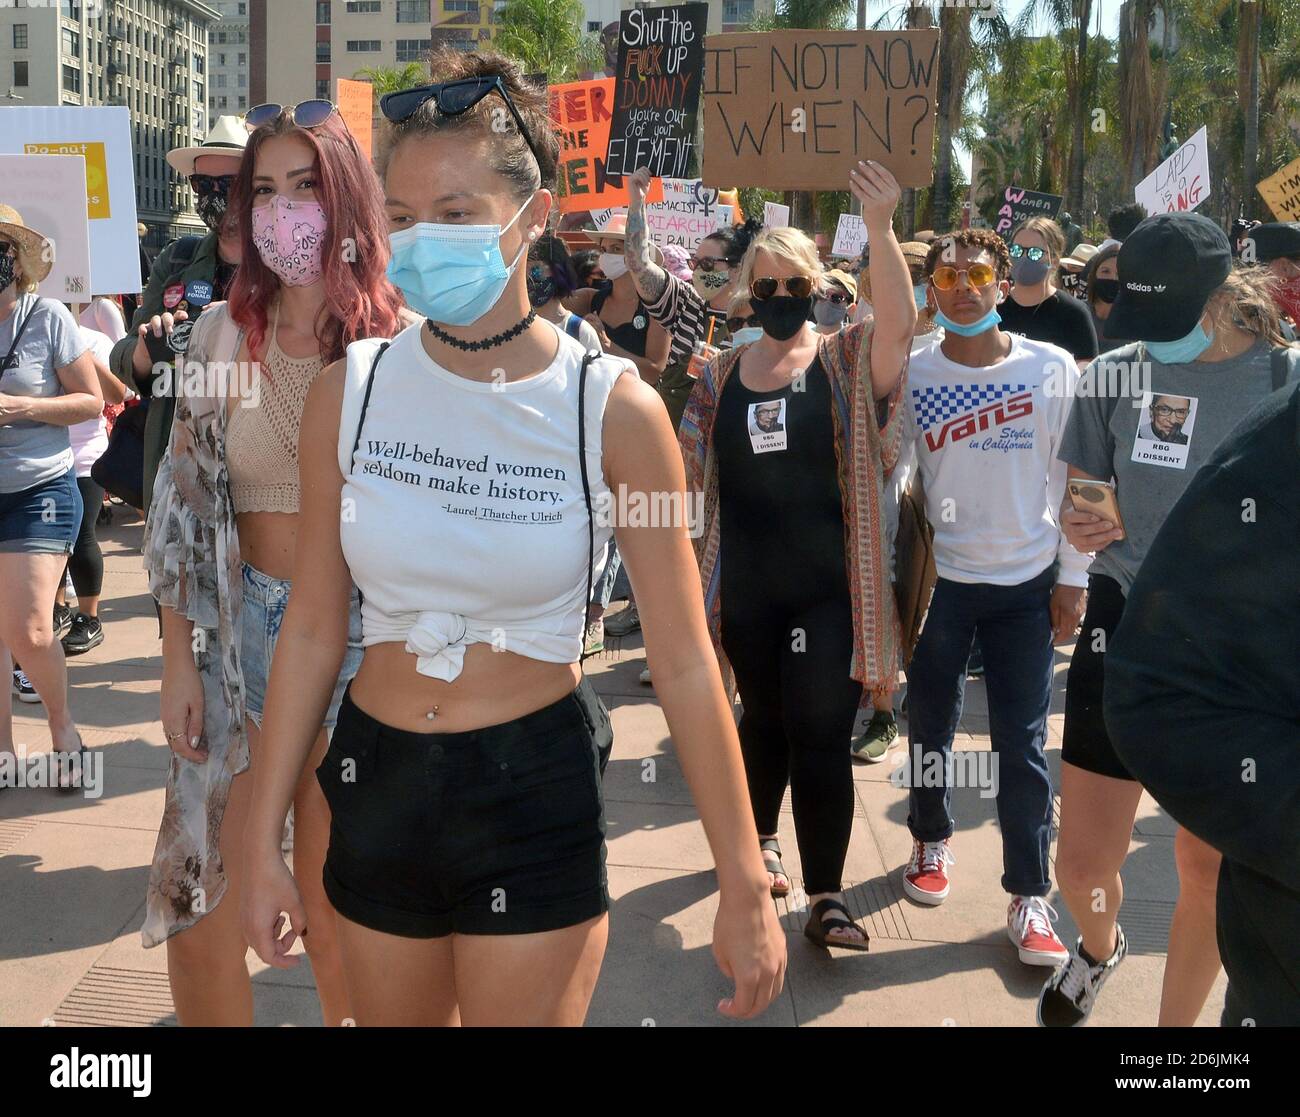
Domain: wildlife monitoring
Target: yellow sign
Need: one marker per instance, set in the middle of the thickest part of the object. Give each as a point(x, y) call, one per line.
point(1282, 192)
point(97, 201)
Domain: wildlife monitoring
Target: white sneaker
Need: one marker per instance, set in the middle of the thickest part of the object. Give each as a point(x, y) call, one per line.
point(645, 676)
point(1029, 926)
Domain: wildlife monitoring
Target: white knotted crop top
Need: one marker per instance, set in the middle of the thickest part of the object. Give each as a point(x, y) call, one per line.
point(463, 516)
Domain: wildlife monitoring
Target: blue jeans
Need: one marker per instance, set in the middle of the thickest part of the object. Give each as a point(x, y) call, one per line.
point(1015, 630)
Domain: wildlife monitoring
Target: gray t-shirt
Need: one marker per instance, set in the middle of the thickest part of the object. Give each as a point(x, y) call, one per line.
point(33, 453)
point(1150, 436)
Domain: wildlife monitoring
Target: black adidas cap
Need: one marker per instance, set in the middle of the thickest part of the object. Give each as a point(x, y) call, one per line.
point(1275, 239)
point(1168, 267)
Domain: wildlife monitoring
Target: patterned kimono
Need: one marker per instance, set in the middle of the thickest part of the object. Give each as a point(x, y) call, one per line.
point(868, 437)
point(191, 552)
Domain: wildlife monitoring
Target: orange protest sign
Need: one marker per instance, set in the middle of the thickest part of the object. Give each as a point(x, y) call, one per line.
point(581, 112)
point(356, 105)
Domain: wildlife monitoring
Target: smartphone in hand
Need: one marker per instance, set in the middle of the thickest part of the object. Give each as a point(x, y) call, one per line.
point(1097, 497)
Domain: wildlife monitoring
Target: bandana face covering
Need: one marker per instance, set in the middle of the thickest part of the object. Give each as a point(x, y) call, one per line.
point(8, 269)
point(709, 283)
point(290, 238)
point(211, 208)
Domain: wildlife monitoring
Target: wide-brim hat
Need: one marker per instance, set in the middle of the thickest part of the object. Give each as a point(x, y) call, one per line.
point(229, 136)
point(35, 250)
point(840, 276)
point(1080, 256)
point(615, 228)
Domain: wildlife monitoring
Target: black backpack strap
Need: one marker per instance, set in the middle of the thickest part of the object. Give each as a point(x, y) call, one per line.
point(18, 336)
point(365, 403)
point(1281, 366)
point(586, 489)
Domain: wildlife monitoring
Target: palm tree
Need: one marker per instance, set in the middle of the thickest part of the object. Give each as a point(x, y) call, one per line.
point(546, 37)
point(1248, 85)
point(1142, 88)
point(390, 79)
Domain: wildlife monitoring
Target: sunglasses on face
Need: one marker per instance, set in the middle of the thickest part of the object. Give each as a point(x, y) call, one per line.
point(977, 275)
point(708, 263)
point(453, 98)
point(799, 286)
point(739, 323)
point(305, 114)
point(839, 298)
point(1018, 250)
point(212, 184)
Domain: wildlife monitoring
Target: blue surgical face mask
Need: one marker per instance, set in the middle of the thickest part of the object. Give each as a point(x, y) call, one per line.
point(918, 293)
point(1184, 349)
point(453, 274)
point(991, 319)
point(746, 335)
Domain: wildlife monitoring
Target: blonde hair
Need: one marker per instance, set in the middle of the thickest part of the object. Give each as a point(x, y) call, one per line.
point(1247, 299)
point(1046, 228)
point(790, 246)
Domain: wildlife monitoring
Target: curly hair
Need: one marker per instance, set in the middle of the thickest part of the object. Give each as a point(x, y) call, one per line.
point(735, 239)
point(986, 239)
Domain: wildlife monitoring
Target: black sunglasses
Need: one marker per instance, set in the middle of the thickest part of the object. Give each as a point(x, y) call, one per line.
point(305, 114)
point(739, 322)
point(453, 98)
point(212, 184)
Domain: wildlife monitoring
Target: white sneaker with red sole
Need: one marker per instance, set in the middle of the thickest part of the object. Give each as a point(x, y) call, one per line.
point(925, 879)
point(1029, 926)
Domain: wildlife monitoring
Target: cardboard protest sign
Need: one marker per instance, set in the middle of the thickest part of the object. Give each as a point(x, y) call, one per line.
point(356, 104)
point(102, 138)
point(775, 215)
point(657, 95)
point(796, 110)
point(49, 190)
point(582, 111)
point(1181, 182)
point(1282, 192)
point(1018, 204)
point(850, 236)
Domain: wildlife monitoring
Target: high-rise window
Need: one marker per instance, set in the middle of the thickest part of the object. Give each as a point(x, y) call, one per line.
point(413, 50)
point(322, 52)
point(323, 88)
point(322, 11)
point(413, 11)
point(20, 71)
point(362, 46)
point(368, 7)
point(20, 36)
point(72, 79)
point(71, 43)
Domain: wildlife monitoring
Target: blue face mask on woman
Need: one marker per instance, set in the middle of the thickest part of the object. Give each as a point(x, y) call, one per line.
point(453, 274)
point(918, 293)
point(1184, 349)
point(991, 319)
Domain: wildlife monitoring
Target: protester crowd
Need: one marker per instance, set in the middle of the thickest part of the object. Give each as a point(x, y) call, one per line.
point(389, 548)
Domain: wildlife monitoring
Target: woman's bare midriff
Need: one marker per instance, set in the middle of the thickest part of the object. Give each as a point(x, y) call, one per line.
point(267, 541)
point(493, 687)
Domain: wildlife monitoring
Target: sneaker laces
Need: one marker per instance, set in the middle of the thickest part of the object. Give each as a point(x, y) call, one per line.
point(1033, 913)
point(931, 857)
point(24, 683)
point(1076, 979)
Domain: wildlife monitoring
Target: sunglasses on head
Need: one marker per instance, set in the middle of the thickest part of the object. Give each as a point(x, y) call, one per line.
point(212, 184)
point(1018, 250)
point(977, 275)
point(799, 286)
point(305, 114)
point(453, 98)
point(709, 263)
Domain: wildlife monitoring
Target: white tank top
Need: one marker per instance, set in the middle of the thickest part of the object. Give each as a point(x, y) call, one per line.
point(463, 516)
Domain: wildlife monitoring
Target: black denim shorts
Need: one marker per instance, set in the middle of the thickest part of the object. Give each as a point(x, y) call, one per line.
point(493, 831)
point(1085, 742)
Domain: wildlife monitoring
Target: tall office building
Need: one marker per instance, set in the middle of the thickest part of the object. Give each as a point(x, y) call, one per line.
point(149, 55)
point(228, 67)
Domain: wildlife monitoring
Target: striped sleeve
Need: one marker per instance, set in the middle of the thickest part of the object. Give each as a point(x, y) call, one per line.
point(681, 312)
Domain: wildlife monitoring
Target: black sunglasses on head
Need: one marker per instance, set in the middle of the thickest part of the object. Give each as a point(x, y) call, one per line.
point(454, 98)
point(212, 184)
point(305, 114)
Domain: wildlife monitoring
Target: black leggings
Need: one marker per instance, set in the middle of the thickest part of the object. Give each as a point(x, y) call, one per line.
point(792, 671)
point(86, 563)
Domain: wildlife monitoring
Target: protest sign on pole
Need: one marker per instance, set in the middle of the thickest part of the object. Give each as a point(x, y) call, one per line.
point(1282, 192)
point(775, 215)
point(102, 137)
point(1019, 204)
point(796, 110)
point(582, 111)
point(48, 190)
point(689, 212)
point(1181, 182)
point(657, 95)
point(850, 236)
point(356, 105)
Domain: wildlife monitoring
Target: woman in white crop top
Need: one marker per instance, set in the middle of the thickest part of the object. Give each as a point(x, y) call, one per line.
point(466, 856)
point(222, 533)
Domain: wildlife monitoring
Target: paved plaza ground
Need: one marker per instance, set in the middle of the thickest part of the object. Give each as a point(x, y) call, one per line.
point(73, 873)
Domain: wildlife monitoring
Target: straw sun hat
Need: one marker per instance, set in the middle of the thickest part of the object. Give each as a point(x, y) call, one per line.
point(35, 250)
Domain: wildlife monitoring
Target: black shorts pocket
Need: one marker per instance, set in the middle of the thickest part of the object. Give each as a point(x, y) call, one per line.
point(548, 760)
point(352, 755)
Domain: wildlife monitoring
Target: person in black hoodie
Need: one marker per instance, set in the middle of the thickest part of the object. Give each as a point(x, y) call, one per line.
point(1202, 697)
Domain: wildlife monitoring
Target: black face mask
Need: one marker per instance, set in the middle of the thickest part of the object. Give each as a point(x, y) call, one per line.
point(211, 208)
point(541, 291)
point(1105, 290)
point(8, 269)
point(782, 316)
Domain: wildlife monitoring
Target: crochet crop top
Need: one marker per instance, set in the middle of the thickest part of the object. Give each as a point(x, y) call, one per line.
point(468, 523)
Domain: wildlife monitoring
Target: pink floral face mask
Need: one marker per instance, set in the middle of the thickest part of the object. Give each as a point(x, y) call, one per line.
point(290, 238)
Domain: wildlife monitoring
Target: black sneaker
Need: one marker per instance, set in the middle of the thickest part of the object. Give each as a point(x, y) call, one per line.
point(62, 619)
point(23, 689)
point(1067, 999)
point(975, 664)
point(85, 633)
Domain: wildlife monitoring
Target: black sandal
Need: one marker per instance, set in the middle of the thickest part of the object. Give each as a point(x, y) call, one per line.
point(816, 927)
point(773, 846)
point(74, 781)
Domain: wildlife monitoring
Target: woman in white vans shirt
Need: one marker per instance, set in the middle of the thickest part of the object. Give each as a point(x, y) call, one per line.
point(466, 856)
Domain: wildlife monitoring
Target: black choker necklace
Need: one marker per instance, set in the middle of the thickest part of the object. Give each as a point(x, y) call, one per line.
point(487, 342)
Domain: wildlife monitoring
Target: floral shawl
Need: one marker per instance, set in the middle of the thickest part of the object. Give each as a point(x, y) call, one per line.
point(868, 437)
point(191, 552)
